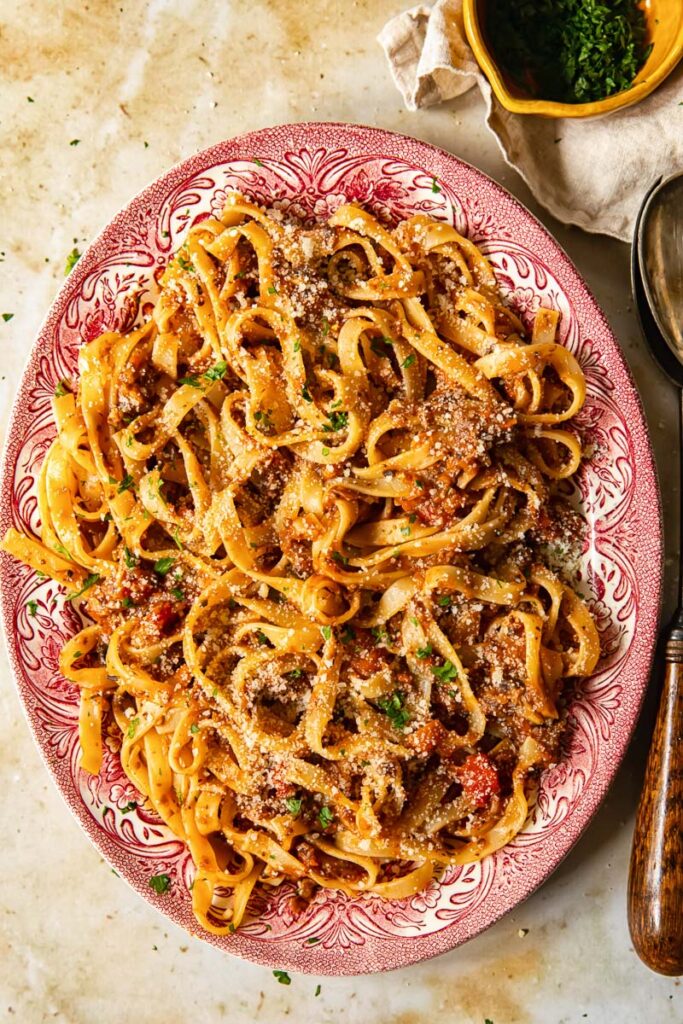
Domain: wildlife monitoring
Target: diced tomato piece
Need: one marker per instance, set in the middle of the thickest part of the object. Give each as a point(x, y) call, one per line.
point(479, 779)
point(426, 738)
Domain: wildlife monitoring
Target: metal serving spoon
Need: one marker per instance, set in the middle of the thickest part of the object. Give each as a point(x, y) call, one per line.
point(655, 890)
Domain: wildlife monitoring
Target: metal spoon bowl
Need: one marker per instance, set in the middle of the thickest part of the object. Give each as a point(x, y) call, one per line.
point(659, 250)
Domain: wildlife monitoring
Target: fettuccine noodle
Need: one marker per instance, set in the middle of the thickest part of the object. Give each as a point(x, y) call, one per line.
point(306, 504)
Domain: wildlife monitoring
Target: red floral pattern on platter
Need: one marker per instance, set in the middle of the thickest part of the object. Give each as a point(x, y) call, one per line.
point(308, 171)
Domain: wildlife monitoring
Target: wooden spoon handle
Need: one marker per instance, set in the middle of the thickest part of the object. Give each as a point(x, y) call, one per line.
point(655, 889)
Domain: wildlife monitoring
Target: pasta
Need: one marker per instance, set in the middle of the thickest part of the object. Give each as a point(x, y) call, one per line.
point(306, 506)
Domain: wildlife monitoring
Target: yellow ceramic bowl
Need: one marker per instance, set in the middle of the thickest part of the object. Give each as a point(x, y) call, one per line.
point(665, 26)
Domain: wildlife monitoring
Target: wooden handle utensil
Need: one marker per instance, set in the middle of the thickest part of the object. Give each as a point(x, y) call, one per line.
point(655, 893)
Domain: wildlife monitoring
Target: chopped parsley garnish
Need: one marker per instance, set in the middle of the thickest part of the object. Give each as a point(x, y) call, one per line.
point(380, 634)
point(339, 558)
point(446, 672)
point(394, 710)
point(32, 607)
point(164, 565)
point(130, 806)
point(281, 976)
point(61, 390)
point(424, 652)
point(178, 593)
point(406, 531)
point(263, 419)
point(337, 421)
point(217, 372)
point(272, 290)
point(293, 805)
point(194, 728)
point(325, 817)
point(435, 186)
point(573, 51)
point(297, 345)
point(408, 361)
point(306, 394)
point(347, 635)
point(296, 673)
point(128, 602)
point(176, 540)
point(318, 990)
point(74, 142)
point(160, 883)
point(125, 484)
point(184, 264)
point(87, 584)
point(326, 325)
point(7, 317)
point(326, 451)
point(129, 558)
point(132, 727)
point(326, 632)
point(444, 601)
point(262, 638)
point(193, 381)
point(71, 261)
point(257, 161)
point(314, 940)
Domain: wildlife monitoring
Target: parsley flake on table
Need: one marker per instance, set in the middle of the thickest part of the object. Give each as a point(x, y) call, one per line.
point(282, 977)
point(7, 317)
point(32, 607)
point(71, 261)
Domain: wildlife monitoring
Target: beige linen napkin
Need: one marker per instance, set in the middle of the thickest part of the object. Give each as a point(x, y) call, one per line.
point(590, 172)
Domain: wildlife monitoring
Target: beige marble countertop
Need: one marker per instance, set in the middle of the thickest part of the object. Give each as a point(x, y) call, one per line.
point(141, 85)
